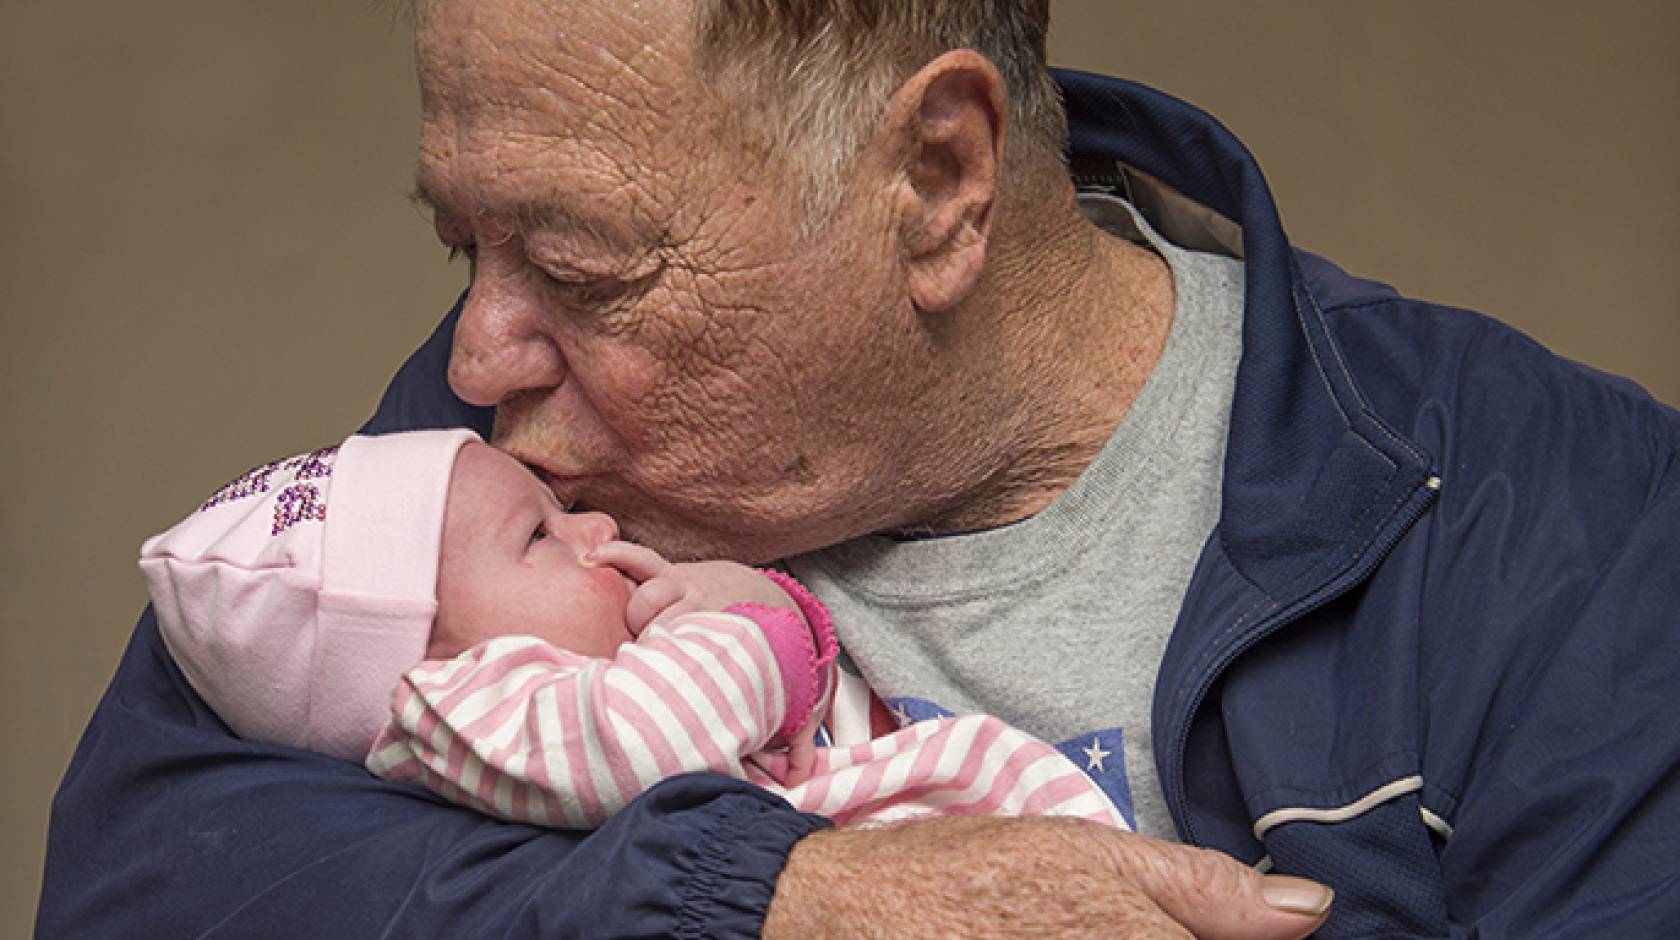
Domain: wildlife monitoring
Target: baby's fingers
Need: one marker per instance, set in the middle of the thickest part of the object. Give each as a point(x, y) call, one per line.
point(638, 561)
point(801, 756)
point(649, 600)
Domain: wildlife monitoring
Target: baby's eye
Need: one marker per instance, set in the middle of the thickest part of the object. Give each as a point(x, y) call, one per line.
point(539, 533)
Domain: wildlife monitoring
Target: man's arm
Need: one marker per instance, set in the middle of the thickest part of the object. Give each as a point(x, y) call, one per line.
point(991, 877)
point(168, 826)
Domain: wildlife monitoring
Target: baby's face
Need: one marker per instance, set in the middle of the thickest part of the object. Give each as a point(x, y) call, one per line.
point(510, 564)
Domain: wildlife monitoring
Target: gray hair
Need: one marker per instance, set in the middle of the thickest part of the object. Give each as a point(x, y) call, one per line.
point(814, 75)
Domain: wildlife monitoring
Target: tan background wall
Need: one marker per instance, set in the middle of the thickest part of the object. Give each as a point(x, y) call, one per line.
point(207, 258)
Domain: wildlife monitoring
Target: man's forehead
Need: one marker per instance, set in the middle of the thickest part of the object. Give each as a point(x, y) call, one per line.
point(516, 97)
point(570, 42)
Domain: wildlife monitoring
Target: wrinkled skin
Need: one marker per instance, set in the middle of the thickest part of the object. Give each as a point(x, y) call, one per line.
point(660, 345)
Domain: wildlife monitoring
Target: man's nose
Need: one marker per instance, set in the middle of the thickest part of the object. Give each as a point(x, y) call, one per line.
point(501, 340)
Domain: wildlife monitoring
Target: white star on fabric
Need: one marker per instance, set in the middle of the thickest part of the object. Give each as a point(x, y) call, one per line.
point(1094, 755)
point(901, 715)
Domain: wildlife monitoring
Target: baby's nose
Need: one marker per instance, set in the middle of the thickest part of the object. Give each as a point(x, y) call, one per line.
point(592, 528)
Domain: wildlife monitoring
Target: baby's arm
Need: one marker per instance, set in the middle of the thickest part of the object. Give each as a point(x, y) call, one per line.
point(520, 729)
point(795, 622)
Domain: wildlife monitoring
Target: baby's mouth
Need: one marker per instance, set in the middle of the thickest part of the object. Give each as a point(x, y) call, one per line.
point(630, 584)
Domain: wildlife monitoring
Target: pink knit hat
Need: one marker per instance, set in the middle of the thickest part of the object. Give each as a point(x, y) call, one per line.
point(297, 595)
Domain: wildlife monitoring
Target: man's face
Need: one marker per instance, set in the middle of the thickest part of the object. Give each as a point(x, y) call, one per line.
point(660, 342)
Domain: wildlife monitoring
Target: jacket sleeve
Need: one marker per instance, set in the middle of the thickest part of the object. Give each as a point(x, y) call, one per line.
point(1566, 817)
point(523, 730)
point(167, 826)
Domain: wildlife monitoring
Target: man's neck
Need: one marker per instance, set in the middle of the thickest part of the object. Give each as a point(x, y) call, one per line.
point(1077, 320)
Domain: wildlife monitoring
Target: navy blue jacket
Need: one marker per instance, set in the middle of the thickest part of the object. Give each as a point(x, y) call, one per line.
point(1427, 657)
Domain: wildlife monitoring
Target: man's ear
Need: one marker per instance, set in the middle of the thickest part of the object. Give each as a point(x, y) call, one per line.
point(949, 119)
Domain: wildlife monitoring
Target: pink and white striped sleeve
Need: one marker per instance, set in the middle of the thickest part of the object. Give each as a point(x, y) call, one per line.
point(973, 765)
point(520, 729)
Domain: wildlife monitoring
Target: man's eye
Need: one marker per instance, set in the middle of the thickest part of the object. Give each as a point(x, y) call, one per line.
point(603, 294)
point(596, 292)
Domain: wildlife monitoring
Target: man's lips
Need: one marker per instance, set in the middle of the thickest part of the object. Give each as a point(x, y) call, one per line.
point(564, 488)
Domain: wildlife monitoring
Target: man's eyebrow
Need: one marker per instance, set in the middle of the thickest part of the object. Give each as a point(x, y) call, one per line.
point(528, 216)
point(556, 216)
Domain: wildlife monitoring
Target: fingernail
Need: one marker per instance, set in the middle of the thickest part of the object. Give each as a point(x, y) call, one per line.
point(1295, 895)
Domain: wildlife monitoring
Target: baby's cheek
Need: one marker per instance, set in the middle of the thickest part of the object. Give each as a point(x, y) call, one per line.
point(464, 620)
point(611, 586)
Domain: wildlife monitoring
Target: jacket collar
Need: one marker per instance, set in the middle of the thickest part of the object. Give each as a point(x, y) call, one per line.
point(1309, 468)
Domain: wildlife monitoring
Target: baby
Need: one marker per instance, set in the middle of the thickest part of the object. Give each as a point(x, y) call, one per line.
point(421, 603)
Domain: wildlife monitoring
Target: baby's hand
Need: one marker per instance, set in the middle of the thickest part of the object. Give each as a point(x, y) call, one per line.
point(665, 590)
point(801, 755)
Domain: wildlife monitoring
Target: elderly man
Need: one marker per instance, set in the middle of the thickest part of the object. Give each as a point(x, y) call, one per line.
point(1344, 586)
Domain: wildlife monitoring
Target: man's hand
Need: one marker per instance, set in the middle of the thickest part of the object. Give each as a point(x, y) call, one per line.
point(983, 877)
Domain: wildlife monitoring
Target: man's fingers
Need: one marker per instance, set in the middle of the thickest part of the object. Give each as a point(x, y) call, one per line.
point(1218, 898)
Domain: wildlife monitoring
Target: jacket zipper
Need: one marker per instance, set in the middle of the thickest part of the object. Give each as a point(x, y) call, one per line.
point(1416, 505)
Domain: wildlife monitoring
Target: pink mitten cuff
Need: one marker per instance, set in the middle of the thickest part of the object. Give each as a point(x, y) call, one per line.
point(796, 659)
point(803, 643)
point(822, 625)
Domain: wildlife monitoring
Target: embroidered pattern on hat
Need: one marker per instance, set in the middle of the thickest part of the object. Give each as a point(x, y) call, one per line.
point(249, 483)
point(298, 502)
point(314, 465)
